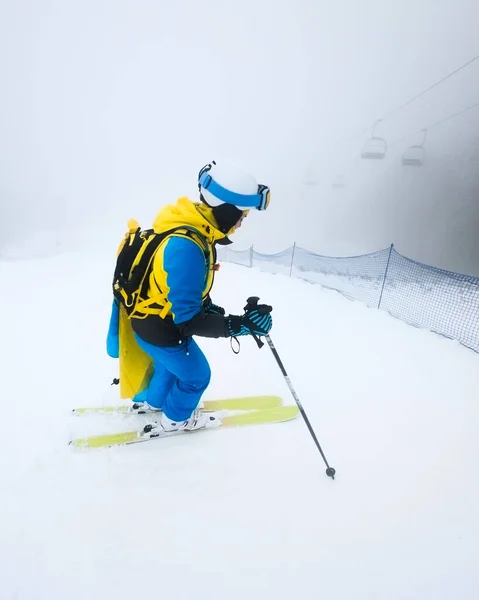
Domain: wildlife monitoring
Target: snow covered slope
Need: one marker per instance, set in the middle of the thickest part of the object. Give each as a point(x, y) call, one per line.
point(246, 512)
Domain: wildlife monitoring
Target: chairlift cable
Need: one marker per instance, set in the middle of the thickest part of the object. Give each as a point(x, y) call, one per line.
point(393, 112)
point(440, 122)
point(456, 114)
point(417, 96)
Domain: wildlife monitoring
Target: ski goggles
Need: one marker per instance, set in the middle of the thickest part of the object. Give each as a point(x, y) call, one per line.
point(260, 201)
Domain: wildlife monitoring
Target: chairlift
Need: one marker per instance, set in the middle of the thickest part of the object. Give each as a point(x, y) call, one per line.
point(414, 155)
point(338, 182)
point(375, 147)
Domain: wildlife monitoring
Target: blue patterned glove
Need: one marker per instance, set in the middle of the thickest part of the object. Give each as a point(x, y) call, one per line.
point(257, 322)
point(213, 309)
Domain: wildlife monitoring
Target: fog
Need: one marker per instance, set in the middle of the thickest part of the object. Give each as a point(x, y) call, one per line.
point(109, 108)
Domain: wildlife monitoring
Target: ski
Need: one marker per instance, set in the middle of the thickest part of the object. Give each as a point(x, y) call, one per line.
point(241, 403)
point(152, 431)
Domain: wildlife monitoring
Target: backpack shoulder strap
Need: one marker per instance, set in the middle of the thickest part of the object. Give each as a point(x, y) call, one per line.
point(193, 234)
point(135, 259)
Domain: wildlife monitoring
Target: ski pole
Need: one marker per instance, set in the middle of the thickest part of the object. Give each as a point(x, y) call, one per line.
point(330, 471)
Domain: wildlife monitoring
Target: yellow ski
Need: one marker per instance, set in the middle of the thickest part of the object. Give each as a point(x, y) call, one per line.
point(150, 432)
point(241, 403)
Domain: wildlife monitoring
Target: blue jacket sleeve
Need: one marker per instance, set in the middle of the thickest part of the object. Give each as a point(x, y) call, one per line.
point(112, 338)
point(185, 268)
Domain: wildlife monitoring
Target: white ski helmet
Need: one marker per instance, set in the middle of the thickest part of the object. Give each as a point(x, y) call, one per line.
point(228, 184)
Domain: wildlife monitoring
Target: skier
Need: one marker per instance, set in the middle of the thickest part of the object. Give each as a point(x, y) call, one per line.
point(178, 303)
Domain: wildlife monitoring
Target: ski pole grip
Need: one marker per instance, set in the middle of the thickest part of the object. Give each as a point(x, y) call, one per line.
point(251, 303)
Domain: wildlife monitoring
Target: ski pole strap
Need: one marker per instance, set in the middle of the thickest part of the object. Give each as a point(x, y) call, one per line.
point(234, 340)
point(250, 325)
point(258, 341)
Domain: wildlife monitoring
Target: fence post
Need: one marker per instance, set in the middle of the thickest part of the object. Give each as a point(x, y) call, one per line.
point(251, 256)
point(292, 259)
point(385, 275)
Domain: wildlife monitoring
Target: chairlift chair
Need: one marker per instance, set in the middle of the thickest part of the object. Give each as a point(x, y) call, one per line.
point(375, 147)
point(414, 155)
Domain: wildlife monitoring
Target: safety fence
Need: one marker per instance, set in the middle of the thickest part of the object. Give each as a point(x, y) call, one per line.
point(441, 301)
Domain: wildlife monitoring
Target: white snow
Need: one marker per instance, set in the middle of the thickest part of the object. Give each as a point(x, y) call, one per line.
point(243, 513)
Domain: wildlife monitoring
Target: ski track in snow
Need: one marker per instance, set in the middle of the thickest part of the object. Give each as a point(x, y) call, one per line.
point(245, 512)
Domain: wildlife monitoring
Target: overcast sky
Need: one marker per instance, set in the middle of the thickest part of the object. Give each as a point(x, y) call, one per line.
point(109, 108)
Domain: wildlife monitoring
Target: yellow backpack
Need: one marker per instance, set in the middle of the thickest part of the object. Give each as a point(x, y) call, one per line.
point(134, 263)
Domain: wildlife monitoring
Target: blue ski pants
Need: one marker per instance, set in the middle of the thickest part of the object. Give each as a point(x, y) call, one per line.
point(181, 375)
